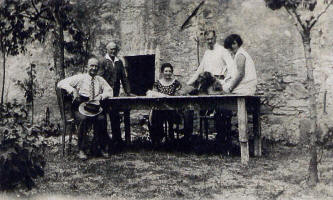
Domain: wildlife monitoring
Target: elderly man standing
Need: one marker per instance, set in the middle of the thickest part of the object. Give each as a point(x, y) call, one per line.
point(87, 90)
point(114, 73)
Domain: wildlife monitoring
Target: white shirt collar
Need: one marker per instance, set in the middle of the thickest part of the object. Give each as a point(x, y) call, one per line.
point(107, 56)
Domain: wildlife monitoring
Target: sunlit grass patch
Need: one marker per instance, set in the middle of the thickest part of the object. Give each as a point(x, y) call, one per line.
point(6, 196)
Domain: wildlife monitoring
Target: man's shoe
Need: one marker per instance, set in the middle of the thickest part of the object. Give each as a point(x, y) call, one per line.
point(69, 120)
point(105, 155)
point(82, 155)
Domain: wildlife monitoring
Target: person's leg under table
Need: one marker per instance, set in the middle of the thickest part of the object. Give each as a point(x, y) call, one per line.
point(222, 120)
point(115, 125)
point(203, 122)
point(171, 116)
point(188, 124)
point(156, 127)
point(127, 122)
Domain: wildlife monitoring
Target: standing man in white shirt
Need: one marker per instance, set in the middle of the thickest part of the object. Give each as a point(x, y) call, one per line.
point(89, 87)
point(216, 60)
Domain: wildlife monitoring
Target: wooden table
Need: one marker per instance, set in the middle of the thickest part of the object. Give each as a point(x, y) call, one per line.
point(242, 104)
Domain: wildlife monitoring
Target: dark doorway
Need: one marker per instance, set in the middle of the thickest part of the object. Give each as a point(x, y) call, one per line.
point(141, 73)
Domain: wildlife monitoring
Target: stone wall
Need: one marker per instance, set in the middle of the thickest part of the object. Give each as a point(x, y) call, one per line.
point(146, 27)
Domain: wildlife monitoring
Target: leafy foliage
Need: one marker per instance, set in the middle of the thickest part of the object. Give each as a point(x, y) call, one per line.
point(21, 158)
point(46, 128)
point(44, 14)
point(13, 30)
point(78, 20)
point(30, 86)
point(85, 25)
point(277, 4)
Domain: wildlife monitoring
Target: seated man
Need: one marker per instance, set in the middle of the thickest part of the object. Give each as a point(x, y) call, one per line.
point(88, 89)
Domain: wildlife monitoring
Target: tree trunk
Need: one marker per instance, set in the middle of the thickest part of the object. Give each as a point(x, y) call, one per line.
point(310, 85)
point(59, 59)
point(198, 50)
point(32, 95)
point(59, 63)
point(3, 75)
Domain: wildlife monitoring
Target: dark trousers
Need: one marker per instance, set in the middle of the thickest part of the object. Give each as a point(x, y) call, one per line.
point(222, 119)
point(115, 124)
point(100, 138)
point(188, 123)
point(85, 123)
point(158, 118)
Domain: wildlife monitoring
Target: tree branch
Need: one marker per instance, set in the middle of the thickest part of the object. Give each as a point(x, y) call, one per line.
point(298, 18)
point(39, 12)
point(314, 21)
point(298, 22)
point(34, 6)
point(23, 15)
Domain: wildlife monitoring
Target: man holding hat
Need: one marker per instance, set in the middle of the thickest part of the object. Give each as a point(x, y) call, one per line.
point(114, 73)
point(88, 89)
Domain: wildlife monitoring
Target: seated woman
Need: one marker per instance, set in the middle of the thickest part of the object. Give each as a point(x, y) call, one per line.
point(244, 78)
point(167, 85)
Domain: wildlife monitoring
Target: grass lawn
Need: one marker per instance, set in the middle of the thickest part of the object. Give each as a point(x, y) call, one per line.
point(160, 174)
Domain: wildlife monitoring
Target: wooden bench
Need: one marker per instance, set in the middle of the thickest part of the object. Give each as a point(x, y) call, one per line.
point(240, 103)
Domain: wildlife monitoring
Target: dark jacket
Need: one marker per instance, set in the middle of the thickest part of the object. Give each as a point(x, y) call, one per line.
point(113, 74)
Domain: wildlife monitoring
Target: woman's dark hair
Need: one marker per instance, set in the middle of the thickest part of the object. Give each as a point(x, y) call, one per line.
point(230, 39)
point(165, 65)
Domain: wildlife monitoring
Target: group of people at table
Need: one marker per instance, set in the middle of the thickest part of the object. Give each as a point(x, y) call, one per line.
point(223, 70)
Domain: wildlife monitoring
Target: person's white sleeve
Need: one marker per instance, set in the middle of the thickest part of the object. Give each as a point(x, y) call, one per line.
point(107, 90)
point(69, 83)
point(231, 65)
point(196, 74)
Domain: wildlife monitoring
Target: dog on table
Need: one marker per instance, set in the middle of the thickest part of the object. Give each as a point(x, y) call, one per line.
point(206, 84)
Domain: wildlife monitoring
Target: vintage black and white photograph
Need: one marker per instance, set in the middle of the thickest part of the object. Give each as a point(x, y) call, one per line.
point(166, 99)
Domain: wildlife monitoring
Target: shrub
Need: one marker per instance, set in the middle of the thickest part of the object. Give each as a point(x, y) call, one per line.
point(21, 148)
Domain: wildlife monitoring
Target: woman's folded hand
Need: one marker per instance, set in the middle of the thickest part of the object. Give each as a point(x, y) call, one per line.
point(151, 93)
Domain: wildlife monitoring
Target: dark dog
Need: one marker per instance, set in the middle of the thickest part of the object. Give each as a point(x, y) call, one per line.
point(207, 84)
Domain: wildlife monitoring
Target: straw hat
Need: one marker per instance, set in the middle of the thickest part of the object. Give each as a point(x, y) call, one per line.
point(90, 108)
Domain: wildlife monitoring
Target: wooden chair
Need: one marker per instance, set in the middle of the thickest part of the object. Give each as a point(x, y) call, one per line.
point(69, 122)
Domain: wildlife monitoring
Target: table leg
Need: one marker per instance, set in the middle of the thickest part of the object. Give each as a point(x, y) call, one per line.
point(242, 129)
point(127, 122)
point(256, 130)
point(200, 129)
